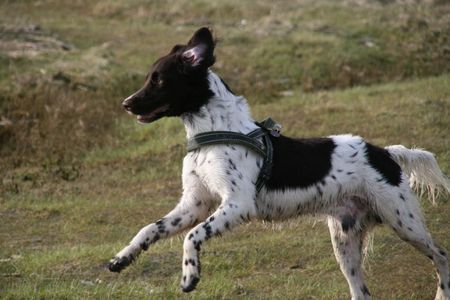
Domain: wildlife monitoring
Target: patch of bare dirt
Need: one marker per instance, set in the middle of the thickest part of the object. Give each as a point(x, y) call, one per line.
point(29, 41)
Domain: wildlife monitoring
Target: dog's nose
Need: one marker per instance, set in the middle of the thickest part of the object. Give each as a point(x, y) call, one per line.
point(126, 104)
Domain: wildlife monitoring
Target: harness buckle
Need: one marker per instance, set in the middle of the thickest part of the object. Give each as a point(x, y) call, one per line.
point(275, 133)
point(272, 127)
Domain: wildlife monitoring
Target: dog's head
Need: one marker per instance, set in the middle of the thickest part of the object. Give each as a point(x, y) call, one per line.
point(177, 82)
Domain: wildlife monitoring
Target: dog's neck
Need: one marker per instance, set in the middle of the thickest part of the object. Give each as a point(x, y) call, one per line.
point(223, 112)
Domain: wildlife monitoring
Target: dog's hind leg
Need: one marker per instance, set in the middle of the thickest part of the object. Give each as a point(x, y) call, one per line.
point(228, 215)
point(192, 208)
point(400, 209)
point(348, 232)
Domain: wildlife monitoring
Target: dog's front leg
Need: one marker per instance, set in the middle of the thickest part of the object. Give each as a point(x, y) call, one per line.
point(192, 208)
point(228, 214)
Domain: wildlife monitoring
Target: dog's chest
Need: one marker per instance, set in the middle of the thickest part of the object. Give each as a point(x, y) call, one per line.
point(225, 169)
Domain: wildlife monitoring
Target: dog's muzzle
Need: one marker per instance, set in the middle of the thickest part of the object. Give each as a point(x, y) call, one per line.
point(127, 104)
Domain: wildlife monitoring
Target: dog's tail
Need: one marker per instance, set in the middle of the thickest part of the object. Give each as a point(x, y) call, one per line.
point(422, 169)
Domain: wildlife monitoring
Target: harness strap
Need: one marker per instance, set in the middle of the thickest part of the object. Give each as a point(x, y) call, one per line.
point(266, 169)
point(250, 140)
point(225, 137)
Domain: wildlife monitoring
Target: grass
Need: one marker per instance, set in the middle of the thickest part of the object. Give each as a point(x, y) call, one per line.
point(79, 177)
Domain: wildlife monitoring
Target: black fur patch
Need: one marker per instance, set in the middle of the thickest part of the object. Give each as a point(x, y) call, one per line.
point(155, 238)
point(378, 219)
point(299, 163)
point(348, 222)
point(176, 221)
point(144, 246)
point(365, 290)
point(118, 264)
point(197, 245)
point(192, 285)
point(381, 160)
point(208, 231)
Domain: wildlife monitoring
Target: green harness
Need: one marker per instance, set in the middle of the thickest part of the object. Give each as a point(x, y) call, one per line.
point(250, 140)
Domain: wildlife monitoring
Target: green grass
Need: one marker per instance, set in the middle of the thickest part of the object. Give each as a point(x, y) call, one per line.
point(79, 177)
point(65, 231)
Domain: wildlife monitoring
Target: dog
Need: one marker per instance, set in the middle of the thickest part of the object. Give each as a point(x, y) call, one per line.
point(355, 184)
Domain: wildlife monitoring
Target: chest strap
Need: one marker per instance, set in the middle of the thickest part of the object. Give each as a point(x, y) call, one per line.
point(250, 140)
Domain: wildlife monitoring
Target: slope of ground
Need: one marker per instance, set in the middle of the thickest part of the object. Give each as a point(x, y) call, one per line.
point(78, 176)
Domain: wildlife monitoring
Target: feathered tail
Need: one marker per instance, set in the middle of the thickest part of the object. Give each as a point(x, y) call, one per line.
point(422, 169)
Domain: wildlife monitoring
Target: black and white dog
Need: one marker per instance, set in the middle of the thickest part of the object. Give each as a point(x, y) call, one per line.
point(354, 184)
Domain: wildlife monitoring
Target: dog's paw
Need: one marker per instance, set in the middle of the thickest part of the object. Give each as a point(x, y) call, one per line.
point(117, 264)
point(191, 272)
point(188, 284)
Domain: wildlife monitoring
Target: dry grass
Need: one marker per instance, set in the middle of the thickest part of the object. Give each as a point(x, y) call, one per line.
point(79, 177)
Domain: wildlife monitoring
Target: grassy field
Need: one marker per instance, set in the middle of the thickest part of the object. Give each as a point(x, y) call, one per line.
point(79, 177)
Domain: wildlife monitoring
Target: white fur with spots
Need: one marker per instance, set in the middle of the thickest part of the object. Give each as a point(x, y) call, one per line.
point(352, 195)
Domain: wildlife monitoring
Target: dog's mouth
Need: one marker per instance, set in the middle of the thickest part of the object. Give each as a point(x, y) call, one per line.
point(153, 115)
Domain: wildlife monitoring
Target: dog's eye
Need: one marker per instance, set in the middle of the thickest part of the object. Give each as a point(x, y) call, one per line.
point(155, 79)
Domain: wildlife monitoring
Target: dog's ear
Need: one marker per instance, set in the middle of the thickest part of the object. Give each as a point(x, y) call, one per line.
point(199, 51)
point(176, 48)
